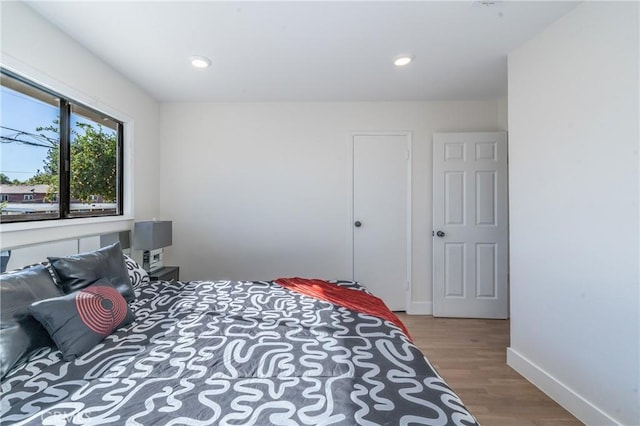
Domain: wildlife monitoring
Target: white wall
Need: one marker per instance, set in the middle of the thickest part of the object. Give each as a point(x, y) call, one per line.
point(573, 127)
point(37, 50)
point(262, 190)
point(503, 113)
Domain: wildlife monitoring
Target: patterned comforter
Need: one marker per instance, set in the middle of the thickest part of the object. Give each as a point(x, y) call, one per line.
point(236, 353)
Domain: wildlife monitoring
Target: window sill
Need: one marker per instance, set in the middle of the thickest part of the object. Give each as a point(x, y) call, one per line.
point(13, 235)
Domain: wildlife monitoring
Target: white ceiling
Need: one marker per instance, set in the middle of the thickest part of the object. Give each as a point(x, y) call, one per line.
point(306, 51)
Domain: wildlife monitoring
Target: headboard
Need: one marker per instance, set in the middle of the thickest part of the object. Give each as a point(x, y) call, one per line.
point(28, 255)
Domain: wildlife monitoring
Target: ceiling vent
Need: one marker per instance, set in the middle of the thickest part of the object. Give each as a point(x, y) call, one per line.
point(486, 3)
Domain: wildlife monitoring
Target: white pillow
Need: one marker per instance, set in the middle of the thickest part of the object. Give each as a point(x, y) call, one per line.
point(137, 275)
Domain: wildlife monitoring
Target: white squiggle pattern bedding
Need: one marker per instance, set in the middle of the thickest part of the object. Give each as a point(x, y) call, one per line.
point(236, 353)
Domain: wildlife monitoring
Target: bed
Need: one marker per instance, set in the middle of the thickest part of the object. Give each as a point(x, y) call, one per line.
point(234, 353)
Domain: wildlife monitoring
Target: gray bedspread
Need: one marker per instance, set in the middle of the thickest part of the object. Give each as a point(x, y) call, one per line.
point(236, 353)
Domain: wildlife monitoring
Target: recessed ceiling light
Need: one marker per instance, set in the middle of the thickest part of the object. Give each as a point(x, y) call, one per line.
point(200, 61)
point(403, 60)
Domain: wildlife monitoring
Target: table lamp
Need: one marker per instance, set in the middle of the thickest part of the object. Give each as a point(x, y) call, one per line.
point(151, 237)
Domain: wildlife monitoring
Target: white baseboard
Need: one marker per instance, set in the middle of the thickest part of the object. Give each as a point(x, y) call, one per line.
point(420, 308)
point(585, 411)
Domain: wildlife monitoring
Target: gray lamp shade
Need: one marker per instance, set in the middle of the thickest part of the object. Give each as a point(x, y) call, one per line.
point(152, 235)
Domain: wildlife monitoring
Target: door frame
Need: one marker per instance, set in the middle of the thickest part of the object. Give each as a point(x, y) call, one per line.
point(409, 145)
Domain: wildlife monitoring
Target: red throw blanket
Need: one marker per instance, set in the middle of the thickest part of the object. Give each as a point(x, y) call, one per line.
point(356, 300)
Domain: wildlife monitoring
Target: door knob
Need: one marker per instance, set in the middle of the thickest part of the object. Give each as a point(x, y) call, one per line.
point(440, 234)
point(358, 224)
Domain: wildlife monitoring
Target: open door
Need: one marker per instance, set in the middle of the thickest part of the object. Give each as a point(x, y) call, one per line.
point(470, 225)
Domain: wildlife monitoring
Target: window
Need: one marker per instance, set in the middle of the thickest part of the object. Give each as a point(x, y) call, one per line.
point(59, 159)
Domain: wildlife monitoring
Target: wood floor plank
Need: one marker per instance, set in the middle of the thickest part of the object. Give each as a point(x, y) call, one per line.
point(471, 356)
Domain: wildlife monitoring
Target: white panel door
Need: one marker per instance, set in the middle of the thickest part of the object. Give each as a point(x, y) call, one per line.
point(470, 225)
point(380, 215)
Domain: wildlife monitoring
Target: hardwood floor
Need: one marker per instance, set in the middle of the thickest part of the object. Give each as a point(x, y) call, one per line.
point(470, 355)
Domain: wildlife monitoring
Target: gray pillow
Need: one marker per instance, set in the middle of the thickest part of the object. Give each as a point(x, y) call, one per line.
point(78, 321)
point(80, 270)
point(20, 333)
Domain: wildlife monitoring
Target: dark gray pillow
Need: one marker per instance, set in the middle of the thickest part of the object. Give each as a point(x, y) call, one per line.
point(80, 270)
point(78, 321)
point(20, 333)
